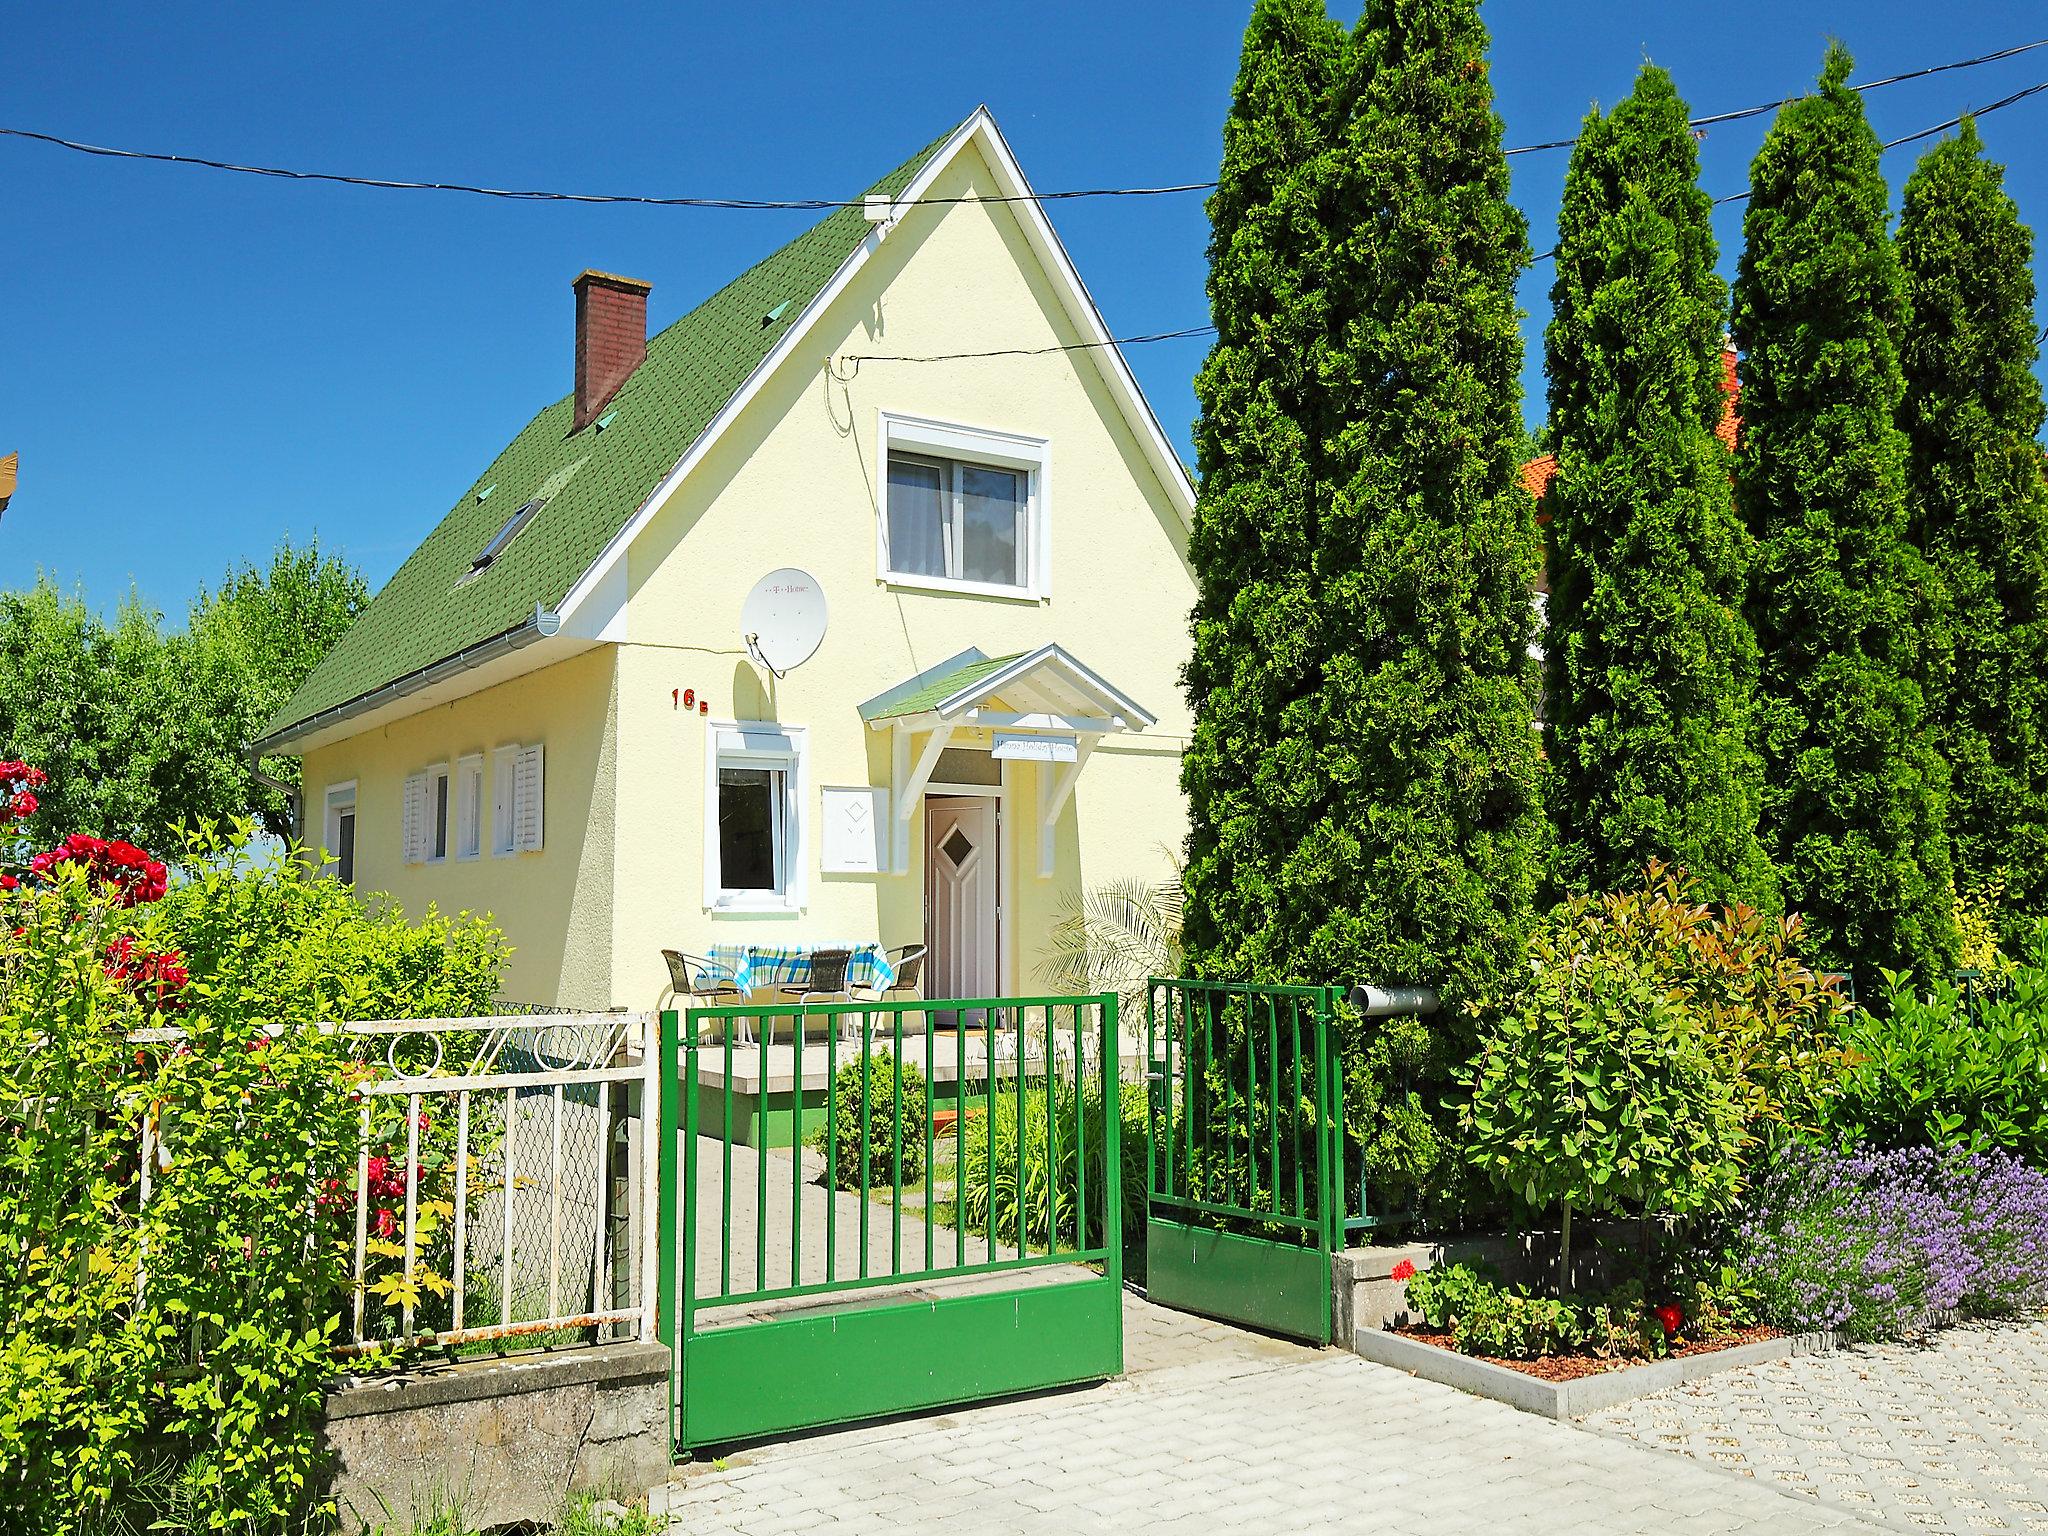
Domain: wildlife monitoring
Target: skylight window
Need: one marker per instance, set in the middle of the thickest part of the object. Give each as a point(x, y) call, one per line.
point(507, 531)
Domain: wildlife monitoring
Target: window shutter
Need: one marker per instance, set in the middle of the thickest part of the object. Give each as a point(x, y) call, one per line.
point(413, 819)
point(526, 801)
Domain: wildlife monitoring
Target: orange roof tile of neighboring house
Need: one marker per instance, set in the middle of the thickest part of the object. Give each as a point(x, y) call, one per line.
point(1537, 475)
point(1539, 472)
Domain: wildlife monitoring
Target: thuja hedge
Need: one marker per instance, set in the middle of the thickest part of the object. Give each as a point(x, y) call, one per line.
point(164, 1359)
point(1362, 778)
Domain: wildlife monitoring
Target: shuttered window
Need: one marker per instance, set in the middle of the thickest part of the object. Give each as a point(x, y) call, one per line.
point(425, 814)
point(527, 799)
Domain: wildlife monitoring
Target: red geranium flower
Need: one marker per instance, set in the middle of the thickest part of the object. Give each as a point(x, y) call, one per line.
point(1671, 1317)
point(1405, 1270)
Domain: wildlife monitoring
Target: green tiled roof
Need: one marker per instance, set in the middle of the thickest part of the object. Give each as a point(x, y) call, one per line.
point(597, 479)
point(937, 688)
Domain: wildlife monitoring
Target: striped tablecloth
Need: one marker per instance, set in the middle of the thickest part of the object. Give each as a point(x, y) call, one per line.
point(752, 966)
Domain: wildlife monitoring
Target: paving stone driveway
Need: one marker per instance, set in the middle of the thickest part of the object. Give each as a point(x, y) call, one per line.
point(1220, 1431)
point(1948, 1435)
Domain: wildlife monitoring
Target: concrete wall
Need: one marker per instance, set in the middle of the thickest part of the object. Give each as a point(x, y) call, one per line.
point(500, 1441)
point(555, 905)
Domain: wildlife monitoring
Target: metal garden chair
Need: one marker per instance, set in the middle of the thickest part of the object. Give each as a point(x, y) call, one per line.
point(827, 985)
point(707, 985)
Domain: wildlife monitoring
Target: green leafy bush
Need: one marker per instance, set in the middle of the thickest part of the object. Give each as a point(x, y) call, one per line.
point(1032, 1190)
point(1600, 1090)
point(1924, 1072)
point(182, 1341)
point(1484, 1316)
point(879, 1129)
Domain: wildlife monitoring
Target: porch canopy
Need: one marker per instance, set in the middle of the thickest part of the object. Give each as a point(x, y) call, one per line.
point(1039, 706)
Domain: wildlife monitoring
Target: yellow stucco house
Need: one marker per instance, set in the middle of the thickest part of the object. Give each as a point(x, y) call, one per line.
point(555, 712)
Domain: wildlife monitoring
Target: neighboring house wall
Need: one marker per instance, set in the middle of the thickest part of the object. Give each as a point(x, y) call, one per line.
point(555, 905)
point(795, 482)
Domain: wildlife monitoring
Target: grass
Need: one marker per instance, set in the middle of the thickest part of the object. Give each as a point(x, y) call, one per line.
point(581, 1517)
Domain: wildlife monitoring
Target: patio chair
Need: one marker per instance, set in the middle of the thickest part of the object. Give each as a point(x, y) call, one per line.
point(827, 985)
point(700, 980)
point(907, 962)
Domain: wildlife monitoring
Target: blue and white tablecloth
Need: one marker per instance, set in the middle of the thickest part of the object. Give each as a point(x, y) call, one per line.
point(752, 966)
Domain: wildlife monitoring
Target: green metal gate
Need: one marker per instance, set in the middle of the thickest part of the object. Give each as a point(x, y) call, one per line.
point(977, 1252)
point(1244, 1175)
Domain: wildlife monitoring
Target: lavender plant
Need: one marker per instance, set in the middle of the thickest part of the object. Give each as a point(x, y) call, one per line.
point(1877, 1244)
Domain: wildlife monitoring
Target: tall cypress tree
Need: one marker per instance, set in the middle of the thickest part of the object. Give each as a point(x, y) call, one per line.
point(1979, 508)
point(1249, 772)
point(1421, 864)
point(1853, 800)
point(1650, 665)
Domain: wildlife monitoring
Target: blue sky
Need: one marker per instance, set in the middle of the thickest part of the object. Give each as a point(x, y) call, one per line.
point(192, 364)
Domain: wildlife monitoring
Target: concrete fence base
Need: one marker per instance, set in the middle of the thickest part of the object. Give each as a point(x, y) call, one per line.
point(501, 1440)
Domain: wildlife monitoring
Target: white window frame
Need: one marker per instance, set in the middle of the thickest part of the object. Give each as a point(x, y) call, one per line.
point(503, 833)
point(338, 798)
point(760, 744)
point(1032, 456)
point(467, 811)
point(440, 781)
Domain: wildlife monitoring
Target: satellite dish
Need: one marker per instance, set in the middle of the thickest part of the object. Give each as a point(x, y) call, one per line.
point(783, 619)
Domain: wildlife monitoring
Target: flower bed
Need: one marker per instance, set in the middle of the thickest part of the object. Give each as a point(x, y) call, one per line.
point(1875, 1244)
point(1574, 1367)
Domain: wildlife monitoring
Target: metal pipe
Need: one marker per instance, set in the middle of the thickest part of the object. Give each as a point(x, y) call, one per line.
point(1380, 1002)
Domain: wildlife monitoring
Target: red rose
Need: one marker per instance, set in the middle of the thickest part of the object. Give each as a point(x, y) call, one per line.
point(9, 883)
point(1671, 1317)
point(386, 1222)
point(1405, 1270)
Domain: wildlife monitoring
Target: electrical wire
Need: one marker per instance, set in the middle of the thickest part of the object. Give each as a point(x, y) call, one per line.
point(1889, 144)
point(858, 358)
point(824, 204)
point(1203, 330)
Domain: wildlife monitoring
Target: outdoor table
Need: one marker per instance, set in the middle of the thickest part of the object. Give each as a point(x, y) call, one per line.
point(761, 967)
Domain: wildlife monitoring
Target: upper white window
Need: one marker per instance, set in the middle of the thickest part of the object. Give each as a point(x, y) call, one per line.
point(963, 509)
point(340, 830)
point(425, 816)
point(518, 799)
point(754, 832)
point(469, 806)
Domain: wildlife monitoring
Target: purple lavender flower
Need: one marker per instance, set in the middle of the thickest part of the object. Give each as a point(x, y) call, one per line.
point(1876, 1243)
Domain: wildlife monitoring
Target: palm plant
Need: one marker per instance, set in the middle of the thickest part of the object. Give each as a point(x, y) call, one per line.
point(1110, 937)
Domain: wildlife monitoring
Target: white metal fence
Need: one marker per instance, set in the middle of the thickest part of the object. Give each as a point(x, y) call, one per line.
point(505, 1178)
point(520, 1205)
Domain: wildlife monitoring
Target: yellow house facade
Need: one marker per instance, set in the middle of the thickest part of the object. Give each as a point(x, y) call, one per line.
point(953, 703)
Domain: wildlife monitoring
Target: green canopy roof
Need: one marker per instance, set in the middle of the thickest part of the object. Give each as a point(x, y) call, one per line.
point(594, 480)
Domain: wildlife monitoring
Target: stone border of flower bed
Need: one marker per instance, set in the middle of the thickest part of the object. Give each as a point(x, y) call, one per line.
point(1586, 1394)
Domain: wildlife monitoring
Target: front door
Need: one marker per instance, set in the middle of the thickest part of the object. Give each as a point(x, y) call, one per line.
point(960, 895)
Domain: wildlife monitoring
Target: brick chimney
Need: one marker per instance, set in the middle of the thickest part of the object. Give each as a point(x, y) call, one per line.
point(611, 339)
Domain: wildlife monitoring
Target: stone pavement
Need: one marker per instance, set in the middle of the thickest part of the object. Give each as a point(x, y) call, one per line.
point(1950, 1434)
point(1221, 1431)
point(770, 1188)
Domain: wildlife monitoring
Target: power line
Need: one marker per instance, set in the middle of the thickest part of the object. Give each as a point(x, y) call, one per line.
point(1202, 330)
point(823, 204)
point(1889, 144)
point(857, 358)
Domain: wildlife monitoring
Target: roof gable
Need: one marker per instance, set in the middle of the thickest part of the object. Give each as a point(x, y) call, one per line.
point(595, 479)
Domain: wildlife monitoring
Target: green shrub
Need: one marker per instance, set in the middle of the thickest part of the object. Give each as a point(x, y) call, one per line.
point(1924, 1072)
point(1600, 1090)
point(878, 1131)
point(166, 1357)
point(1032, 1191)
point(1487, 1317)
